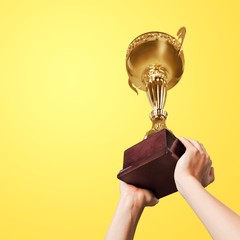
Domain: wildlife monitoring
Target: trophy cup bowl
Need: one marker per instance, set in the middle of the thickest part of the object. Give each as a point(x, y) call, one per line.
point(155, 64)
point(154, 49)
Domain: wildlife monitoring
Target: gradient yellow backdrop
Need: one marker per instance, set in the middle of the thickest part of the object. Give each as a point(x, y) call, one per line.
point(67, 113)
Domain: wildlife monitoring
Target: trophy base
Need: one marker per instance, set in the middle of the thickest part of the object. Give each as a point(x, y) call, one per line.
point(150, 164)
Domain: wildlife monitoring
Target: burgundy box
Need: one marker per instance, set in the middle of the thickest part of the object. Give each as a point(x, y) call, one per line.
point(150, 164)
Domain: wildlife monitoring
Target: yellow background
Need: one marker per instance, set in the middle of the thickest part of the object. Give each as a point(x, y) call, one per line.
point(67, 113)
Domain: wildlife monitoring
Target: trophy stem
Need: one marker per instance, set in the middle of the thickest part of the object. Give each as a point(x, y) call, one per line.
point(156, 89)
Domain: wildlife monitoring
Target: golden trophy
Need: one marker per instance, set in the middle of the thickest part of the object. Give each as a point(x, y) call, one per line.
point(155, 64)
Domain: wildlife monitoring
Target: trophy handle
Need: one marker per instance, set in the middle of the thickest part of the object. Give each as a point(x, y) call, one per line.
point(181, 35)
point(132, 86)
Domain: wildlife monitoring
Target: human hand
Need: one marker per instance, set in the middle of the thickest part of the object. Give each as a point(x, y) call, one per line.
point(131, 204)
point(195, 163)
point(139, 197)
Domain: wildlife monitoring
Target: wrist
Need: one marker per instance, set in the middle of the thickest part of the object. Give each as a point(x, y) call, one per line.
point(130, 210)
point(133, 202)
point(126, 217)
point(186, 183)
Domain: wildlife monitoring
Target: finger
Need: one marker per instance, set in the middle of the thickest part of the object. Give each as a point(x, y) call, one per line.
point(204, 149)
point(209, 162)
point(196, 144)
point(211, 175)
point(186, 142)
point(154, 201)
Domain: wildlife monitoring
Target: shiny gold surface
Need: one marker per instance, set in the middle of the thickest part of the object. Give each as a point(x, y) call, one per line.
point(155, 64)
